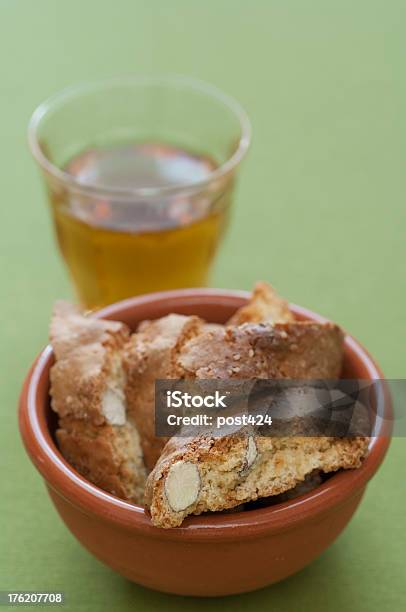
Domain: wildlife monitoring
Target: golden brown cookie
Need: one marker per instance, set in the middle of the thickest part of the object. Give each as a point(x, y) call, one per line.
point(95, 433)
point(300, 349)
point(87, 378)
point(211, 474)
point(151, 355)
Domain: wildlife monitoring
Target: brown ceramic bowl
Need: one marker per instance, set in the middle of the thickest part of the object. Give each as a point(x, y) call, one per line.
point(214, 554)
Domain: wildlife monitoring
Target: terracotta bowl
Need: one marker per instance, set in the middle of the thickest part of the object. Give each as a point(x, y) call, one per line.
point(214, 554)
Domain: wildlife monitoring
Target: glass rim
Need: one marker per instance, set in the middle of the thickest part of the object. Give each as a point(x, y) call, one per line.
point(74, 91)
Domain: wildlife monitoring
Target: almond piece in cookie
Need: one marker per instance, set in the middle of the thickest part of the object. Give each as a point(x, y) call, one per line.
point(95, 433)
point(264, 306)
point(182, 485)
point(151, 355)
point(213, 474)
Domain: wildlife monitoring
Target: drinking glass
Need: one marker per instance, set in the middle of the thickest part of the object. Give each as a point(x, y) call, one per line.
point(140, 173)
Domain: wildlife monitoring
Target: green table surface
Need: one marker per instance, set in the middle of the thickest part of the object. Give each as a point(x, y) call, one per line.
point(320, 212)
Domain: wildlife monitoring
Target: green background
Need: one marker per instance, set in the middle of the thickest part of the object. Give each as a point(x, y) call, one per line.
point(320, 212)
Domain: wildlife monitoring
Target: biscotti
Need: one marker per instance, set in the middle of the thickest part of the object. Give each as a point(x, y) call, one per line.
point(103, 389)
point(95, 433)
point(216, 473)
point(300, 349)
point(150, 355)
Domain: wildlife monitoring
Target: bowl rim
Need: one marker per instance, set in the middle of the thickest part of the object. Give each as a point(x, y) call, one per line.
point(68, 483)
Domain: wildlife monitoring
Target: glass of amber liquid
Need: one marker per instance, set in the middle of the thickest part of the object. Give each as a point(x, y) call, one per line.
point(140, 174)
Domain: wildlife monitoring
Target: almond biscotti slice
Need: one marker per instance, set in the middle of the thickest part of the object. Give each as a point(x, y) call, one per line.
point(151, 355)
point(299, 349)
point(209, 473)
point(95, 434)
point(87, 379)
point(264, 306)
